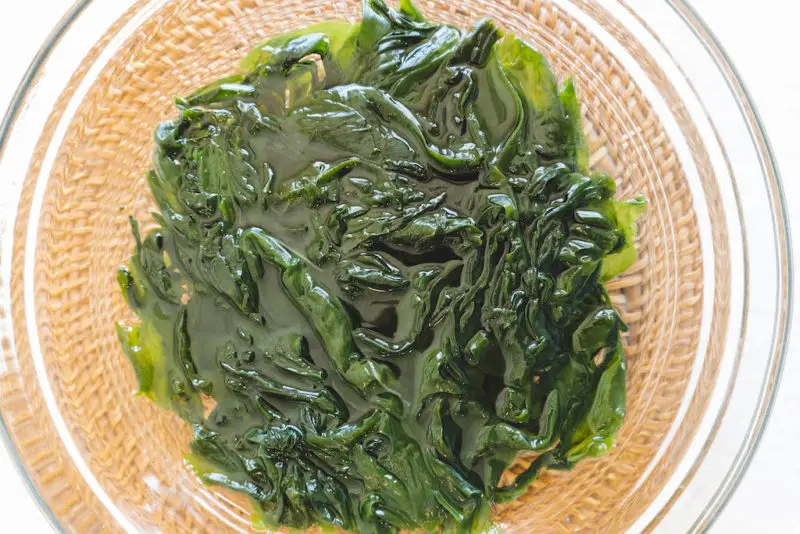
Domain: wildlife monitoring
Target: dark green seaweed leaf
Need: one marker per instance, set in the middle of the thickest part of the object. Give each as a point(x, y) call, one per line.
point(380, 252)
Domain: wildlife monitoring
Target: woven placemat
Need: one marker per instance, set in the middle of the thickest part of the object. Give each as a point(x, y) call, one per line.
point(136, 450)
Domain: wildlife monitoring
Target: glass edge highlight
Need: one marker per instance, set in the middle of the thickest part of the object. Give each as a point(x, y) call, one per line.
point(760, 138)
point(9, 119)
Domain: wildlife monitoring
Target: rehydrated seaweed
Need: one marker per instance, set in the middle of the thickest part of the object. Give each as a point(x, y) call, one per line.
point(380, 256)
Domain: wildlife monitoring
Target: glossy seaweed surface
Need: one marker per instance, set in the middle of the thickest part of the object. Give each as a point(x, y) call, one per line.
point(377, 276)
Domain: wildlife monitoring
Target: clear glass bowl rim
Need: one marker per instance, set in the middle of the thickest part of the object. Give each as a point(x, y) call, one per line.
point(736, 85)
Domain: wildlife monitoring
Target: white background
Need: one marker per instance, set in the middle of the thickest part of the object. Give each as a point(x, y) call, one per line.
point(763, 40)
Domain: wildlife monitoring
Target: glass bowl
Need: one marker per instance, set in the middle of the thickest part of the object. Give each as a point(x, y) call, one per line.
point(707, 302)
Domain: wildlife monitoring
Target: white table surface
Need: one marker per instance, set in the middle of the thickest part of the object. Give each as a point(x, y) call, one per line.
point(763, 40)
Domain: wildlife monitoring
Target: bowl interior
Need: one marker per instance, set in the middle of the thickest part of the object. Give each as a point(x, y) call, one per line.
point(135, 451)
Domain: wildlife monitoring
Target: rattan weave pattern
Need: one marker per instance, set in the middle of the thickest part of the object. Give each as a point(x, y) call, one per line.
point(136, 450)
